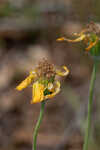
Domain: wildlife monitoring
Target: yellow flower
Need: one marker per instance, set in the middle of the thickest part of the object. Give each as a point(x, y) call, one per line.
point(43, 81)
point(89, 35)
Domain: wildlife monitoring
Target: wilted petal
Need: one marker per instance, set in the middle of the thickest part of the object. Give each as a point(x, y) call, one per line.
point(82, 32)
point(55, 92)
point(38, 92)
point(26, 82)
point(61, 73)
point(80, 38)
point(92, 44)
point(61, 39)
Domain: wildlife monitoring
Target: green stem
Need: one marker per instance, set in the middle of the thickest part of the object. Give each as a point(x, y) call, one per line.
point(38, 125)
point(90, 102)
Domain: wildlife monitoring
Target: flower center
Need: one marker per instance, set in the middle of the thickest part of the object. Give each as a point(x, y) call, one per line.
point(45, 69)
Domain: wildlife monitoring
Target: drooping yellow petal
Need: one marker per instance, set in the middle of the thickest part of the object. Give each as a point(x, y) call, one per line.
point(82, 32)
point(55, 92)
point(92, 44)
point(80, 38)
point(27, 81)
point(61, 39)
point(38, 92)
point(60, 73)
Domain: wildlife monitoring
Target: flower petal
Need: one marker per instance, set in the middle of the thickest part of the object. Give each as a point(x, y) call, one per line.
point(61, 39)
point(27, 81)
point(80, 38)
point(81, 33)
point(55, 92)
point(60, 73)
point(92, 44)
point(38, 92)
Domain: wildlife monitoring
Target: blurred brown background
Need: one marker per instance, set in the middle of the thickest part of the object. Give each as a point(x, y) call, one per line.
point(28, 32)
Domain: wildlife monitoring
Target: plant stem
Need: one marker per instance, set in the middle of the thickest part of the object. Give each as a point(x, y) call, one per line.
point(90, 102)
point(38, 125)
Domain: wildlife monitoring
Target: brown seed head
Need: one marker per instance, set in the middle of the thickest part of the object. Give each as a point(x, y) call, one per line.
point(93, 28)
point(45, 69)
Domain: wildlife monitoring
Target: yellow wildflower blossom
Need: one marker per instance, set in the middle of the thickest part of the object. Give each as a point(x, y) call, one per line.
point(89, 35)
point(42, 78)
